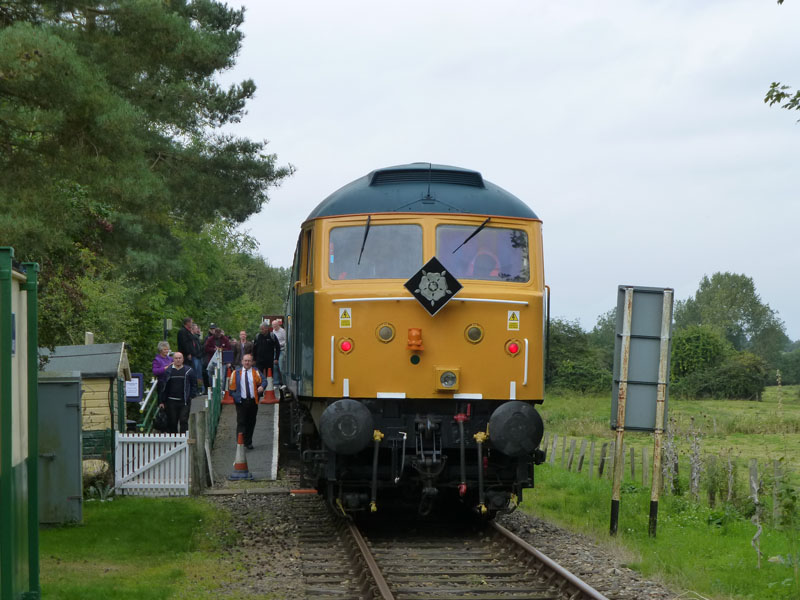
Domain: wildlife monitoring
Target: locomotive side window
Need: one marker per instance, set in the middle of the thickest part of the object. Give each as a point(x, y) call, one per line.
point(390, 252)
point(493, 254)
point(309, 261)
point(296, 262)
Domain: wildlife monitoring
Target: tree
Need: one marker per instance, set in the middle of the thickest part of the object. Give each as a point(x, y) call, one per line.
point(781, 94)
point(574, 363)
point(603, 336)
point(728, 303)
point(110, 147)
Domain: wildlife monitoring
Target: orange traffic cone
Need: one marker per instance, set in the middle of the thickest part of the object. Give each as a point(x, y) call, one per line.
point(240, 470)
point(227, 398)
point(269, 391)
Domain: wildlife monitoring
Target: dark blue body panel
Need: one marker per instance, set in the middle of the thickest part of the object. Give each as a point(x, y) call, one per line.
point(422, 188)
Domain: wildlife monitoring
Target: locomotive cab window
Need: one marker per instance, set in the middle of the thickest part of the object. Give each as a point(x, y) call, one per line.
point(389, 252)
point(493, 254)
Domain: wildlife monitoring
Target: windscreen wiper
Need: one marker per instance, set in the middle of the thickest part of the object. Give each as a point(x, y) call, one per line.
point(474, 233)
point(364, 241)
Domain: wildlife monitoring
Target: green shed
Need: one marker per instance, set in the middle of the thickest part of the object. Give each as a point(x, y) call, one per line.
point(104, 370)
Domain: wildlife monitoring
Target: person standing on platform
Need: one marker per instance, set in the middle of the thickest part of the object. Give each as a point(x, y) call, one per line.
point(266, 350)
point(198, 358)
point(161, 361)
point(280, 334)
point(240, 348)
point(190, 347)
point(245, 387)
point(176, 393)
point(216, 341)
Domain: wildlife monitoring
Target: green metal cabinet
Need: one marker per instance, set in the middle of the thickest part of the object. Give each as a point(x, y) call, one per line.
point(60, 460)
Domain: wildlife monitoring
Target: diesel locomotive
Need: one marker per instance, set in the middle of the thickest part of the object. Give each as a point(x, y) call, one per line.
point(416, 320)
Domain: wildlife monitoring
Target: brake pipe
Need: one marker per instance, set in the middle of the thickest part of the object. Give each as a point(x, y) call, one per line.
point(481, 437)
point(462, 487)
point(377, 436)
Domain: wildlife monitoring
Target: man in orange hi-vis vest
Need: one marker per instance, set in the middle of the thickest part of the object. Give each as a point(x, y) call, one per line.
point(245, 387)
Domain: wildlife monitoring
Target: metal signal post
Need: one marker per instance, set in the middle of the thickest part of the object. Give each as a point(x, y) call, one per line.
point(625, 354)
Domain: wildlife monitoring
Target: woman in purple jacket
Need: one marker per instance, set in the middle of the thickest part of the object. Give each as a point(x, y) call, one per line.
point(162, 361)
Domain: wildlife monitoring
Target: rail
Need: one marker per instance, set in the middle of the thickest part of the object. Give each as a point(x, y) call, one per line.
point(582, 589)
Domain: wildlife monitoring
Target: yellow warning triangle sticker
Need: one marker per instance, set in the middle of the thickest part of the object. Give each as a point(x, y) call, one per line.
point(344, 315)
point(513, 317)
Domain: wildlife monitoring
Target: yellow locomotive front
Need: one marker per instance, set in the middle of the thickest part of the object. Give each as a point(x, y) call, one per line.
point(416, 348)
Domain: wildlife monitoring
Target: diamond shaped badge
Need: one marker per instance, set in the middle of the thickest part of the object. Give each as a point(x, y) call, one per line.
point(433, 286)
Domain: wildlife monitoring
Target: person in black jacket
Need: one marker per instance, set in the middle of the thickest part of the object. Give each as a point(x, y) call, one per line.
point(185, 341)
point(266, 349)
point(176, 392)
point(189, 346)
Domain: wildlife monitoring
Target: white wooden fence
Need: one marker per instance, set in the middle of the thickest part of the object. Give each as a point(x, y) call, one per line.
point(151, 464)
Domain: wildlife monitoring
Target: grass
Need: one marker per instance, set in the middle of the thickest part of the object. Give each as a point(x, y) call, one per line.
point(696, 548)
point(699, 548)
point(137, 549)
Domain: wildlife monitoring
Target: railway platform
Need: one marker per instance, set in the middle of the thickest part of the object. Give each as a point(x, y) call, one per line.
point(262, 460)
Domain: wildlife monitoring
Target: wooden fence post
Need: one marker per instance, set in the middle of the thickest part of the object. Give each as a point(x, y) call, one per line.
point(563, 449)
point(633, 464)
point(571, 454)
point(195, 456)
point(202, 442)
point(756, 519)
point(591, 460)
point(602, 466)
point(582, 455)
point(553, 452)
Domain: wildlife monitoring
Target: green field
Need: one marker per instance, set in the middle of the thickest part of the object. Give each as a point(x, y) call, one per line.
point(767, 430)
point(699, 548)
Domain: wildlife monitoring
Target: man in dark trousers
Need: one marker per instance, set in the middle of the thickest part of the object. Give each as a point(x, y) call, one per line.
point(245, 387)
point(190, 347)
point(266, 349)
point(176, 392)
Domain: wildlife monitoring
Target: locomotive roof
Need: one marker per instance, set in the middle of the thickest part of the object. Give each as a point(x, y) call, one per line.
point(422, 188)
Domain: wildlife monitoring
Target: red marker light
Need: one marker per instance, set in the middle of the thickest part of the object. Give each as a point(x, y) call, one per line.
point(513, 348)
point(346, 345)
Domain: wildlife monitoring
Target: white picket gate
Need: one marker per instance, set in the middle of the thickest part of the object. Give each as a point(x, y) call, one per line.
point(151, 464)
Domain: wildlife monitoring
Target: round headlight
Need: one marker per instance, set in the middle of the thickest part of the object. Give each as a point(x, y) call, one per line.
point(448, 379)
point(385, 332)
point(474, 333)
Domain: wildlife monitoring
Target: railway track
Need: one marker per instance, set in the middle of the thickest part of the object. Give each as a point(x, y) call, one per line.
point(415, 560)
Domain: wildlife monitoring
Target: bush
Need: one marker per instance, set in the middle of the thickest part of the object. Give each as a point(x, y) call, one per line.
point(740, 376)
point(696, 348)
point(582, 376)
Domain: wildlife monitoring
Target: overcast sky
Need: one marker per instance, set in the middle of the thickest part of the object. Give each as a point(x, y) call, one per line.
point(636, 130)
